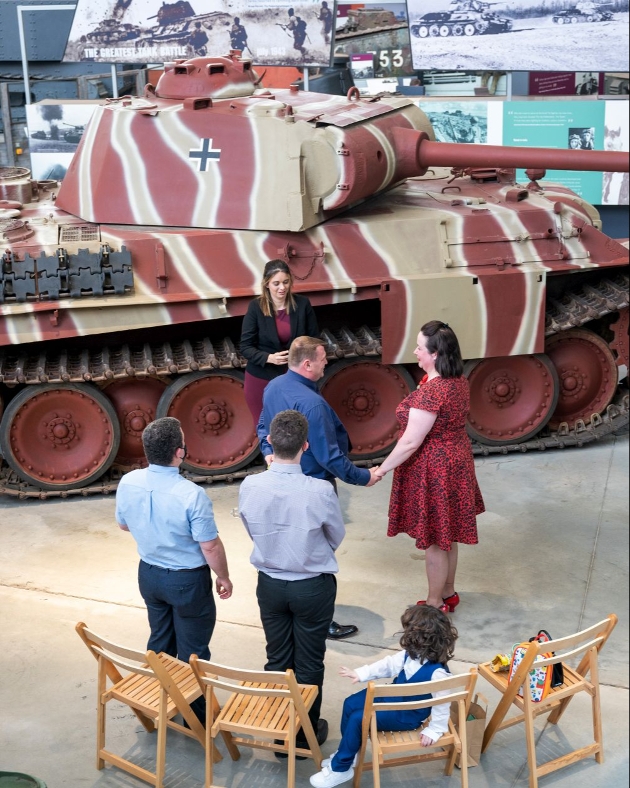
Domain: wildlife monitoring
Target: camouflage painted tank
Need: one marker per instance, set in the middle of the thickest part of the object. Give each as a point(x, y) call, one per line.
point(466, 18)
point(122, 292)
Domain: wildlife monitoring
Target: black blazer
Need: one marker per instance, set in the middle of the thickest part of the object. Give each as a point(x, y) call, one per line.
point(259, 337)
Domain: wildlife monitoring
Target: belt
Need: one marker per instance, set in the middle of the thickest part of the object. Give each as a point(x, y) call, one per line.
point(163, 569)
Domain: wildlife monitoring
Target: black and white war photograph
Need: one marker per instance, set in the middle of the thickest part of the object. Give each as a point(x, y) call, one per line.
point(519, 35)
point(451, 123)
point(582, 138)
point(153, 31)
point(55, 131)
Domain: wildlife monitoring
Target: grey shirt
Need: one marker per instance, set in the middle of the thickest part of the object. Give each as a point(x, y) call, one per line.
point(294, 521)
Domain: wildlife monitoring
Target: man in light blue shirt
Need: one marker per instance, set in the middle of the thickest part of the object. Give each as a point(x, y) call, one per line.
point(172, 521)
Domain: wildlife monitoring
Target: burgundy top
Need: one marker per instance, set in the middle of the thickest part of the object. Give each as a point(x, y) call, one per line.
point(283, 326)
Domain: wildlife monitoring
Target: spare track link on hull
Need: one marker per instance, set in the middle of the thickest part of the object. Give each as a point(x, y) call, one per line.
point(573, 310)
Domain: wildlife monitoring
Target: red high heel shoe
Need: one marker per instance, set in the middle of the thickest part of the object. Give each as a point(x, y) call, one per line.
point(443, 608)
point(450, 603)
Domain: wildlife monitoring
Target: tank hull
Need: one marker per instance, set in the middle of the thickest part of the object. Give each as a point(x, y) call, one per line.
point(106, 324)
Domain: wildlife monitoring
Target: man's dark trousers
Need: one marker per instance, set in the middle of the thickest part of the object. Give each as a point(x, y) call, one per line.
point(182, 613)
point(296, 615)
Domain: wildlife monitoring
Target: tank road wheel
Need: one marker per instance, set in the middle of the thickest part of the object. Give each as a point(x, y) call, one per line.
point(469, 29)
point(60, 437)
point(560, 20)
point(364, 394)
point(511, 398)
point(574, 20)
point(415, 31)
point(135, 401)
point(620, 345)
point(458, 30)
point(434, 31)
point(217, 424)
point(588, 375)
point(423, 31)
point(445, 31)
point(590, 18)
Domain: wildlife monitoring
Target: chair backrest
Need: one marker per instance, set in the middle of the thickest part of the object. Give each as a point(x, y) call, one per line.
point(460, 688)
point(244, 682)
point(113, 654)
point(572, 646)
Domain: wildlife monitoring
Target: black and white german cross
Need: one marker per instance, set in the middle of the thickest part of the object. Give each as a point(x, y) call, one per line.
point(203, 154)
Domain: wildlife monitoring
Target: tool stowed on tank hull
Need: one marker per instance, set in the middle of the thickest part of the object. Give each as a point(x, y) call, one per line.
point(122, 292)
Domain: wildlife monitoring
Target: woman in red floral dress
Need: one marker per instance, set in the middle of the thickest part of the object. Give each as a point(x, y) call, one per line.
point(435, 497)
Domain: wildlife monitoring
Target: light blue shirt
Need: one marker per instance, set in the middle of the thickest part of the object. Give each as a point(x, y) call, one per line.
point(167, 515)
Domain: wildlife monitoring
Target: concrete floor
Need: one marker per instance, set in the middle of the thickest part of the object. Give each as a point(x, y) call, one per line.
point(553, 553)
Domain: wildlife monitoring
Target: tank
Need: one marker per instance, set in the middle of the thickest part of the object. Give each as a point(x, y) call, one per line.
point(176, 22)
point(362, 21)
point(584, 11)
point(466, 18)
point(122, 291)
point(111, 31)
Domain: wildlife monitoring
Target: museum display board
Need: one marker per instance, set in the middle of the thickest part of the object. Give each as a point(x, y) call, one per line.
point(276, 32)
point(519, 35)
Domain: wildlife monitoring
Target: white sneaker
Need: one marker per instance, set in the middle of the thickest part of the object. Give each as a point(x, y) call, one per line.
point(327, 778)
point(328, 761)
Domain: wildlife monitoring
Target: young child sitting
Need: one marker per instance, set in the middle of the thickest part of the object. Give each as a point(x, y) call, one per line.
point(428, 641)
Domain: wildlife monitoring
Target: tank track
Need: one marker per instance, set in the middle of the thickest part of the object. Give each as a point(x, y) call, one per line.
point(573, 310)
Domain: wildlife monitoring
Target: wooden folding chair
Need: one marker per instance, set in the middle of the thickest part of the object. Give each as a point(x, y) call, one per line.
point(405, 746)
point(589, 643)
point(156, 688)
point(265, 710)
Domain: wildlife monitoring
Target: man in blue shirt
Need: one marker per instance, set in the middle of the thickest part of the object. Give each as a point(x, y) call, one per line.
point(172, 521)
point(326, 455)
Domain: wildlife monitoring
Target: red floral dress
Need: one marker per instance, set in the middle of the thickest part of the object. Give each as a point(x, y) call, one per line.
point(435, 496)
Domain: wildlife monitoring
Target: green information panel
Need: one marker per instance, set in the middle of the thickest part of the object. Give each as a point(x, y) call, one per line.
point(552, 124)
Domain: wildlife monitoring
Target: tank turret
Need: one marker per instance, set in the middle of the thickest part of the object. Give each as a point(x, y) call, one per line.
point(122, 292)
point(324, 153)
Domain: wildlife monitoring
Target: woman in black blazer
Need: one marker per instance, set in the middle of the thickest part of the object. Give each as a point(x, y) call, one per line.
point(272, 322)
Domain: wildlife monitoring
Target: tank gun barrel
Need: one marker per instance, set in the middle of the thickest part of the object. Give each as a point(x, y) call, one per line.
point(416, 144)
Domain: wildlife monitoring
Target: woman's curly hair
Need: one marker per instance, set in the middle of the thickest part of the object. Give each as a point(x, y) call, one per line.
point(428, 634)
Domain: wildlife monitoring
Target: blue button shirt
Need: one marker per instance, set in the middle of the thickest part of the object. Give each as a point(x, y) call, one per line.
point(326, 456)
point(167, 515)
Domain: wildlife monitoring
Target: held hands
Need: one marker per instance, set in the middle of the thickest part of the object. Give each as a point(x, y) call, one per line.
point(279, 358)
point(374, 477)
point(349, 674)
point(224, 587)
point(380, 473)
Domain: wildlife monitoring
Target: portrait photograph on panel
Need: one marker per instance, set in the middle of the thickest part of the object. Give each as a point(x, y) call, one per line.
point(519, 35)
point(280, 32)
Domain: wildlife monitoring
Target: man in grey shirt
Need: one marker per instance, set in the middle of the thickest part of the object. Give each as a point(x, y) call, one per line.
point(296, 525)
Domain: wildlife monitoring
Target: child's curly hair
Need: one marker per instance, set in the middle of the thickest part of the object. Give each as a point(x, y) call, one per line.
point(428, 634)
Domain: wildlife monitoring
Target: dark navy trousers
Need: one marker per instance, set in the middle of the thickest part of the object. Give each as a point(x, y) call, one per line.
point(182, 613)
